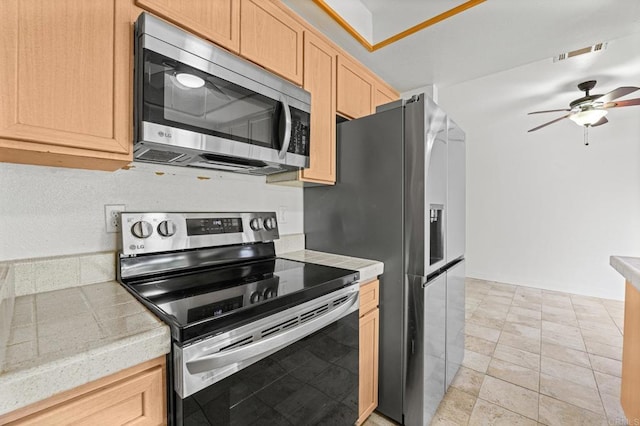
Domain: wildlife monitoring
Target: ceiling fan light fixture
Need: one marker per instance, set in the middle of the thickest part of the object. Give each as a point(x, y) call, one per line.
point(588, 117)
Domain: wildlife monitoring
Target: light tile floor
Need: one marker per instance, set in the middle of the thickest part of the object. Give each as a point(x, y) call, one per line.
point(535, 357)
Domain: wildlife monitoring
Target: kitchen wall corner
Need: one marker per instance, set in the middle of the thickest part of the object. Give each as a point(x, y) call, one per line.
point(289, 243)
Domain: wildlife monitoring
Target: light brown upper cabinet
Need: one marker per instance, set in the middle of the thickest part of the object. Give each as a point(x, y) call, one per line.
point(384, 95)
point(66, 83)
point(320, 81)
point(271, 38)
point(355, 89)
point(215, 20)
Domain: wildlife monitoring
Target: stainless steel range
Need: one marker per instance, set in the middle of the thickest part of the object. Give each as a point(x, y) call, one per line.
point(256, 339)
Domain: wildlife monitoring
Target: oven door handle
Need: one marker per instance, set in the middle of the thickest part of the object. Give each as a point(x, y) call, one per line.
point(271, 344)
point(286, 139)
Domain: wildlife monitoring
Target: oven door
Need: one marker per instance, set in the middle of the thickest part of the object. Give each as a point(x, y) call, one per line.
point(299, 366)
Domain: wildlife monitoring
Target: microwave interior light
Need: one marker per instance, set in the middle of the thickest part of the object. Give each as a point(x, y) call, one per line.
point(189, 80)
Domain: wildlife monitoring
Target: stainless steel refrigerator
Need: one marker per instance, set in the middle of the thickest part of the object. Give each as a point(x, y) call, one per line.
point(400, 198)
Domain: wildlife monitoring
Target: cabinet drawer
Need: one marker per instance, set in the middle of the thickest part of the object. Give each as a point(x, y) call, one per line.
point(369, 296)
point(133, 396)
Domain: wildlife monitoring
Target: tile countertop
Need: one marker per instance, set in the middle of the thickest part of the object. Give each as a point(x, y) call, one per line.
point(70, 325)
point(628, 267)
point(65, 338)
point(369, 269)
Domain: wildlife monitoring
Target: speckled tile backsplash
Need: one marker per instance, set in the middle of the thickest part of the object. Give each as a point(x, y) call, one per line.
point(289, 243)
point(55, 273)
point(7, 299)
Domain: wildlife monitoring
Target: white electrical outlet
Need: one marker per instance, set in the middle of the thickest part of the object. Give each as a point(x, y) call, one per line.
point(282, 214)
point(112, 216)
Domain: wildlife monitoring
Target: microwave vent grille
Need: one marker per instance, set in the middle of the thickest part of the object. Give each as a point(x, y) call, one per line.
point(159, 156)
point(266, 170)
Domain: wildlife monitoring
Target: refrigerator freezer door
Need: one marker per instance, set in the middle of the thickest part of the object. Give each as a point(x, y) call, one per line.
point(456, 176)
point(426, 348)
point(425, 186)
point(362, 216)
point(455, 319)
point(435, 139)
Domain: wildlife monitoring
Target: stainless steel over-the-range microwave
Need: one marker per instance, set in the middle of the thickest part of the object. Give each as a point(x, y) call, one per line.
point(200, 106)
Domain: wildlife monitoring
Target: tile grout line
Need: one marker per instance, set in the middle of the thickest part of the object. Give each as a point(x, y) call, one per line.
point(540, 357)
point(589, 358)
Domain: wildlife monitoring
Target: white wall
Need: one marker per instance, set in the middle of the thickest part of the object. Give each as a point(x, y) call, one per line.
point(544, 210)
point(46, 211)
point(356, 14)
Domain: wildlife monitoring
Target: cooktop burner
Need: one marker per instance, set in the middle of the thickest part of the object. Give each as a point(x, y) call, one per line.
point(210, 301)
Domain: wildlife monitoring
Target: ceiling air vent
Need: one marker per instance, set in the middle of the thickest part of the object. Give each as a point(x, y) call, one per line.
point(595, 48)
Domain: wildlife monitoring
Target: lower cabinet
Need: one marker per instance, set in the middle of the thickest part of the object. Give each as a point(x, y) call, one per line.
point(630, 388)
point(133, 396)
point(369, 341)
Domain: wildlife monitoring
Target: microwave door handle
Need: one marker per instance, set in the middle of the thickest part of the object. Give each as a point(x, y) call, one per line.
point(287, 128)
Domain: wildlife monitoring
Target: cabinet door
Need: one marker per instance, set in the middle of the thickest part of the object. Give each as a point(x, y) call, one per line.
point(355, 89)
point(132, 396)
point(368, 392)
point(369, 296)
point(629, 396)
point(217, 20)
point(384, 95)
point(138, 399)
point(271, 38)
point(320, 81)
point(65, 83)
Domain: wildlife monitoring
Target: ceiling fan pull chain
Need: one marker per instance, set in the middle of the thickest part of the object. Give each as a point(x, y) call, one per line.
point(586, 135)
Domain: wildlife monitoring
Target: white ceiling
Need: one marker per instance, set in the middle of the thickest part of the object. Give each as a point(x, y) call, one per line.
point(493, 36)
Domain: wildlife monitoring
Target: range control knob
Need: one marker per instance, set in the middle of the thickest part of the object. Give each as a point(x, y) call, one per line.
point(256, 223)
point(142, 229)
point(269, 293)
point(270, 223)
point(255, 297)
point(167, 228)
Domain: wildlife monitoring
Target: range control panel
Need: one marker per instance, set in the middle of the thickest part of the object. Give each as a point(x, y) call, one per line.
point(152, 232)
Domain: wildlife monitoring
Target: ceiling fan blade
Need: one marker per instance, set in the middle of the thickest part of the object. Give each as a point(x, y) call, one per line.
point(550, 110)
point(617, 93)
point(618, 104)
point(550, 122)
point(600, 122)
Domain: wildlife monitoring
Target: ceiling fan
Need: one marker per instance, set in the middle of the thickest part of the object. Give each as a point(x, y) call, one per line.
point(590, 110)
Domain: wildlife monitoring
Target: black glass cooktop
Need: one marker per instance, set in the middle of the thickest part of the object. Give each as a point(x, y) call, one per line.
point(205, 302)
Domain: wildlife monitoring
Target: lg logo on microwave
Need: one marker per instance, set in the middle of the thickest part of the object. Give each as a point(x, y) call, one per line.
point(167, 135)
point(136, 247)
